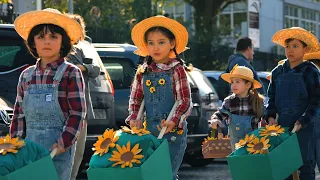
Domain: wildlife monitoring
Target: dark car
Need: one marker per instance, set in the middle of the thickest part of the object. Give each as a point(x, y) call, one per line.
point(6, 114)
point(121, 63)
point(14, 58)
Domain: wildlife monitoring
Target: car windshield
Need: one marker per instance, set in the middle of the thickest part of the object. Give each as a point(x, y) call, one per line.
point(121, 71)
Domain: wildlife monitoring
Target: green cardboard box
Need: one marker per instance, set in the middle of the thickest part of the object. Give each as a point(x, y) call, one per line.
point(280, 163)
point(156, 167)
point(38, 170)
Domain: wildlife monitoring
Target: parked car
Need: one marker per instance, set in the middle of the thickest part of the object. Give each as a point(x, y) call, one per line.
point(14, 58)
point(223, 88)
point(6, 114)
point(121, 63)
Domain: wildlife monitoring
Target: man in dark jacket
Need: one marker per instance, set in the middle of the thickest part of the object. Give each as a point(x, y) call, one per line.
point(89, 71)
point(243, 57)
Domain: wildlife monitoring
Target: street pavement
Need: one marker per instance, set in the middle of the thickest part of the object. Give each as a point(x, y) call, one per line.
point(217, 170)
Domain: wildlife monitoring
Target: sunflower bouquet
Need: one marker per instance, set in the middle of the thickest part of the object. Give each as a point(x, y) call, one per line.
point(125, 153)
point(22, 159)
point(264, 154)
point(216, 147)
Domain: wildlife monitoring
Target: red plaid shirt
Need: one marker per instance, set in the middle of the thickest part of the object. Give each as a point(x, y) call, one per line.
point(181, 92)
point(71, 97)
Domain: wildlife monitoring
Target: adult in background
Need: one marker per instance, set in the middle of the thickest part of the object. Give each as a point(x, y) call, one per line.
point(89, 71)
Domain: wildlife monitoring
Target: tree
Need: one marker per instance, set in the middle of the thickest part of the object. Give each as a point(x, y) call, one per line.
point(61, 5)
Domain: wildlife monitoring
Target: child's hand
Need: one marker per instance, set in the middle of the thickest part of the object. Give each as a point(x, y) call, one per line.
point(60, 149)
point(136, 123)
point(170, 125)
point(299, 126)
point(214, 125)
point(272, 121)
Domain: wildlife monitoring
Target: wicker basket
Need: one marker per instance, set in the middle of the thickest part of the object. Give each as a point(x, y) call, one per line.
point(216, 148)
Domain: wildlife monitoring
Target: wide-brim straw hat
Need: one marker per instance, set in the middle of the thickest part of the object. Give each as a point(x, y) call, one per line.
point(309, 56)
point(243, 73)
point(25, 22)
point(178, 30)
point(296, 33)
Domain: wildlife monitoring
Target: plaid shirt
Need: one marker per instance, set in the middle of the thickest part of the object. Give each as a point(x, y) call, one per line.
point(70, 96)
point(312, 84)
point(235, 105)
point(181, 91)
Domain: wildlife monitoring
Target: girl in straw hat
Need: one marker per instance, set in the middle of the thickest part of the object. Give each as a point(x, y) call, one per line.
point(294, 92)
point(50, 103)
point(162, 81)
point(243, 108)
point(315, 58)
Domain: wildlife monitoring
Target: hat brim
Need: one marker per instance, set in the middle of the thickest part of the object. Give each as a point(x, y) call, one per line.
point(296, 33)
point(25, 22)
point(178, 30)
point(309, 56)
point(227, 77)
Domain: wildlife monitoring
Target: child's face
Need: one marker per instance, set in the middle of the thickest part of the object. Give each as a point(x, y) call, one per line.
point(240, 87)
point(295, 51)
point(159, 46)
point(48, 45)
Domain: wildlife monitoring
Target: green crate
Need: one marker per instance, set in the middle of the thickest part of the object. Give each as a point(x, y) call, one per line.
point(280, 163)
point(156, 167)
point(38, 170)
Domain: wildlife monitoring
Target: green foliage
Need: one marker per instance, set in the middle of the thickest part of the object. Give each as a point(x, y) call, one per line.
point(61, 5)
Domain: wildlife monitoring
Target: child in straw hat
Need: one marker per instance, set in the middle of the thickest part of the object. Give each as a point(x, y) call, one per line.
point(243, 108)
point(50, 103)
point(294, 91)
point(161, 81)
point(315, 58)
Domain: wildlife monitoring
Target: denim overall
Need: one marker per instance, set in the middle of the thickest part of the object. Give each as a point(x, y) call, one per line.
point(45, 120)
point(158, 106)
point(316, 134)
point(239, 126)
point(291, 101)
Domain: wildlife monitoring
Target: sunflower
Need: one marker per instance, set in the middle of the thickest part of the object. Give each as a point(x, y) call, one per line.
point(258, 145)
point(106, 141)
point(162, 81)
point(126, 156)
point(247, 139)
point(180, 131)
point(10, 145)
point(271, 130)
point(135, 130)
point(208, 139)
point(148, 82)
point(152, 89)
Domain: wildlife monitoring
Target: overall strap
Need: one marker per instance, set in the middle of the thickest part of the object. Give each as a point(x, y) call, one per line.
point(60, 71)
point(29, 72)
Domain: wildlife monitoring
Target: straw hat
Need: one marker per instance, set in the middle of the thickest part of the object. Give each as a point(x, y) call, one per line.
point(178, 30)
point(25, 22)
point(297, 33)
point(309, 56)
point(243, 73)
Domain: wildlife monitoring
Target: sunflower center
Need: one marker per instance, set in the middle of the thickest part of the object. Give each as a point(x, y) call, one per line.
point(258, 146)
point(105, 143)
point(128, 156)
point(6, 146)
point(272, 132)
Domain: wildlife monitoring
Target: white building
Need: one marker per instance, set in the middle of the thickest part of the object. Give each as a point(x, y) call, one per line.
point(273, 16)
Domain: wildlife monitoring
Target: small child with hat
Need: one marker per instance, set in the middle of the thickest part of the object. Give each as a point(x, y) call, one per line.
point(50, 104)
point(243, 109)
point(294, 92)
point(162, 82)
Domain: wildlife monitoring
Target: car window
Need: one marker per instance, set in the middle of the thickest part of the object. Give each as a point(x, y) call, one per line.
point(13, 54)
point(121, 71)
point(265, 83)
point(202, 82)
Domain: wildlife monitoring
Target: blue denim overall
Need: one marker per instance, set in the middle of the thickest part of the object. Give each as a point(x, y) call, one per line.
point(239, 126)
point(45, 120)
point(292, 101)
point(158, 106)
point(316, 134)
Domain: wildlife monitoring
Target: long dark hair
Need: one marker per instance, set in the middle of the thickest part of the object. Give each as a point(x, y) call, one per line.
point(166, 32)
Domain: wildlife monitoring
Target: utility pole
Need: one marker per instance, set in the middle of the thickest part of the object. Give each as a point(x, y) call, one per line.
point(70, 6)
point(39, 4)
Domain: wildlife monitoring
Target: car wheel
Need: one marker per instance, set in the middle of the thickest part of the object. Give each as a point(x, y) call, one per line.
point(196, 160)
